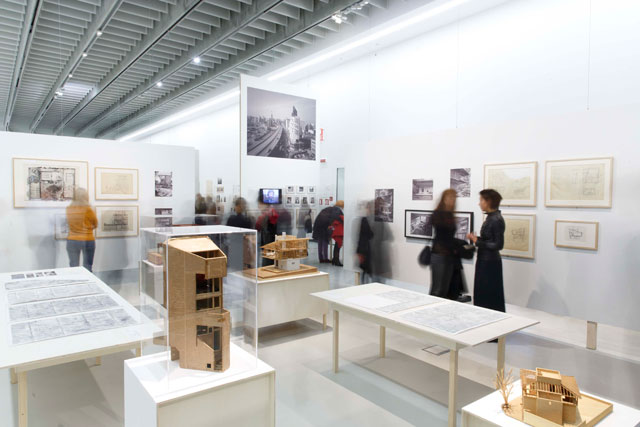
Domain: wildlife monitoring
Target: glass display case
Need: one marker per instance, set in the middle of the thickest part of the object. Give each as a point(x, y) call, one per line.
point(199, 285)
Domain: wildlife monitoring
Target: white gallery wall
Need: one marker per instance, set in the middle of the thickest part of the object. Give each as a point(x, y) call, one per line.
point(530, 80)
point(28, 233)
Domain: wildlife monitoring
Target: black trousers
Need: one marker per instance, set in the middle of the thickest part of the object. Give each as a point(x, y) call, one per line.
point(488, 287)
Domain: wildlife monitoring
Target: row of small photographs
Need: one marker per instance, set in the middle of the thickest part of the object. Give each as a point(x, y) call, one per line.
point(306, 201)
point(300, 189)
point(32, 275)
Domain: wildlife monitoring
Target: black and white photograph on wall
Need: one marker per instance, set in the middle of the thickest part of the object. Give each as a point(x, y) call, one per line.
point(291, 189)
point(163, 221)
point(280, 125)
point(301, 189)
point(418, 224)
point(305, 201)
point(164, 211)
point(296, 201)
point(312, 200)
point(384, 205)
point(219, 181)
point(460, 180)
point(311, 189)
point(464, 221)
point(288, 201)
point(422, 189)
point(164, 184)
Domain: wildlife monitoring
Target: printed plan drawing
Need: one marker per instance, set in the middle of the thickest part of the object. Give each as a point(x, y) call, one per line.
point(42, 309)
point(116, 183)
point(393, 301)
point(453, 318)
point(578, 182)
point(516, 236)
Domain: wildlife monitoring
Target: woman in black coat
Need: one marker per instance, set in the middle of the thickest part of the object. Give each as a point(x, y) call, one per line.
point(446, 268)
point(488, 288)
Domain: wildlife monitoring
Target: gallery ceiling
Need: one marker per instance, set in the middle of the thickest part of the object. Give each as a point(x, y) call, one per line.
point(100, 68)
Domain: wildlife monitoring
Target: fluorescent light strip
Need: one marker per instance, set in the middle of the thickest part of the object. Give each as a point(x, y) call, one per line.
point(371, 38)
point(183, 114)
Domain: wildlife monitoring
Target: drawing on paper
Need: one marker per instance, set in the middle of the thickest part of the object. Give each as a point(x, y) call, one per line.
point(516, 236)
point(579, 183)
point(383, 205)
point(46, 183)
point(116, 183)
point(54, 184)
point(460, 180)
point(422, 189)
point(117, 221)
point(61, 227)
point(576, 234)
point(516, 182)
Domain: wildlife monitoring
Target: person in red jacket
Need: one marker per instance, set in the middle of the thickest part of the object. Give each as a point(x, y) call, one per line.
point(338, 236)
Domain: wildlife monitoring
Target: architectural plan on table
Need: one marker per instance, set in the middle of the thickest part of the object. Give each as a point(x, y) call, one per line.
point(453, 318)
point(392, 301)
point(45, 308)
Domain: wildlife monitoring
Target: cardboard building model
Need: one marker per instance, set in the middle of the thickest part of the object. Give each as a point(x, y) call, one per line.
point(548, 394)
point(286, 252)
point(199, 326)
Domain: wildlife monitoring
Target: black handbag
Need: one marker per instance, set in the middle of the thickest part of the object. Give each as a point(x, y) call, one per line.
point(424, 258)
point(464, 249)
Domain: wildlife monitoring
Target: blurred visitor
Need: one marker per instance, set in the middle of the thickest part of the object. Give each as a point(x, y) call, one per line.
point(201, 205)
point(267, 227)
point(363, 250)
point(239, 217)
point(284, 224)
point(488, 287)
point(338, 236)
point(321, 231)
point(82, 221)
point(446, 265)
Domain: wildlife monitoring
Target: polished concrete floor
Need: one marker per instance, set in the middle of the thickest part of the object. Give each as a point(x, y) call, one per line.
point(408, 387)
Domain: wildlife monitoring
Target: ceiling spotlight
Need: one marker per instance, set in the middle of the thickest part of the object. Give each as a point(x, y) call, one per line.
point(159, 84)
point(98, 33)
point(196, 60)
point(85, 54)
point(59, 93)
point(339, 18)
point(70, 75)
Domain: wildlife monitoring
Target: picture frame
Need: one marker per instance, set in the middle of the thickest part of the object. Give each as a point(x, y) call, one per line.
point(579, 183)
point(312, 200)
point(301, 214)
point(576, 234)
point(418, 224)
point(117, 221)
point(519, 235)
point(516, 182)
point(465, 224)
point(61, 226)
point(311, 189)
point(116, 183)
point(291, 189)
point(300, 189)
point(47, 183)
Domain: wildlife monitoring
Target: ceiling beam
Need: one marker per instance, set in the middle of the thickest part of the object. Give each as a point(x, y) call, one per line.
point(32, 14)
point(307, 20)
point(98, 22)
point(248, 15)
point(172, 18)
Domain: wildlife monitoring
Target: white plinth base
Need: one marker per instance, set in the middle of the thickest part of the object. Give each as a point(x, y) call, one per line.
point(288, 298)
point(487, 412)
point(236, 397)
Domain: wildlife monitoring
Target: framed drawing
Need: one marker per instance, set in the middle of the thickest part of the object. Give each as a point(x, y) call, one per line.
point(116, 183)
point(418, 224)
point(519, 235)
point(117, 221)
point(580, 183)
point(300, 189)
point(301, 215)
point(576, 235)
point(61, 231)
point(45, 183)
point(516, 182)
point(464, 222)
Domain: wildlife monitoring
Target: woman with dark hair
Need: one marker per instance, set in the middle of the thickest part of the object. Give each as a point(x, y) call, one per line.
point(488, 288)
point(446, 267)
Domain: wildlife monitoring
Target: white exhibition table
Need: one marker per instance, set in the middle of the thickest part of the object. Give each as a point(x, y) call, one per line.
point(56, 351)
point(487, 412)
point(288, 298)
point(337, 300)
point(158, 393)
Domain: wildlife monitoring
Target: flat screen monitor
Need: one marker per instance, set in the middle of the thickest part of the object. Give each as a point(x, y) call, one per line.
point(271, 196)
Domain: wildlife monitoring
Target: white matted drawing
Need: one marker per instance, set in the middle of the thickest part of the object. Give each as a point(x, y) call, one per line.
point(46, 183)
point(516, 182)
point(519, 235)
point(579, 183)
point(116, 183)
point(576, 234)
point(117, 221)
point(61, 227)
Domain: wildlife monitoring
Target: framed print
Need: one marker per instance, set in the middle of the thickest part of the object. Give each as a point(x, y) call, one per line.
point(519, 235)
point(418, 224)
point(305, 201)
point(464, 222)
point(296, 201)
point(302, 214)
point(61, 227)
point(422, 189)
point(117, 221)
point(383, 205)
point(46, 183)
point(311, 189)
point(516, 182)
point(288, 201)
point(580, 183)
point(164, 184)
point(291, 189)
point(576, 235)
point(300, 189)
point(116, 183)
point(312, 200)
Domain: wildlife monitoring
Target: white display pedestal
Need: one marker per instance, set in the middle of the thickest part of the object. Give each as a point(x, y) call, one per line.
point(288, 299)
point(243, 395)
point(487, 412)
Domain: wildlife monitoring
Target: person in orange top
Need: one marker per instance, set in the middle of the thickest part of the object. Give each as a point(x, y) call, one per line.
point(82, 221)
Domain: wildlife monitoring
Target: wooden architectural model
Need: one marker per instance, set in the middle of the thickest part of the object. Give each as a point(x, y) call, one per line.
point(551, 399)
point(199, 326)
point(286, 253)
